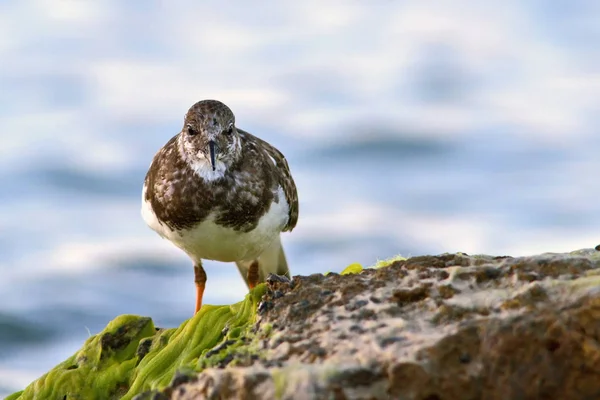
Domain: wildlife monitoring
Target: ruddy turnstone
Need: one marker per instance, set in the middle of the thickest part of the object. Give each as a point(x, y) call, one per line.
point(219, 193)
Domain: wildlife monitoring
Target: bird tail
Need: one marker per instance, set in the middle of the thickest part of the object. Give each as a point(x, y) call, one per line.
point(271, 261)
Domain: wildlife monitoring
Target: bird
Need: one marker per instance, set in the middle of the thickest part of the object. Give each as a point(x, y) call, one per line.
point(219, 193)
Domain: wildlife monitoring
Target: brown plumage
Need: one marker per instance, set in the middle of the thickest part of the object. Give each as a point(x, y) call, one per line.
point(221, 193)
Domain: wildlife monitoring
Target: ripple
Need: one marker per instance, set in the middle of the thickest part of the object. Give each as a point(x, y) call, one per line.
point(16, 331)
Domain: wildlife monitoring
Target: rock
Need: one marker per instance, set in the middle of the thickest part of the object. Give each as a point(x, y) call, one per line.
point(442, 327)
point(446, 327)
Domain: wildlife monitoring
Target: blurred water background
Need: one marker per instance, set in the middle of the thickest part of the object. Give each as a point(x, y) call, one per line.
point(410, 127)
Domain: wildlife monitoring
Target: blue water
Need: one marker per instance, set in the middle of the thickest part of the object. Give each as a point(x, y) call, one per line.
point(409, 128)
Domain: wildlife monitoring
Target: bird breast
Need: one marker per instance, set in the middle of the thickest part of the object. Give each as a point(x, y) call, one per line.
point(211, 241)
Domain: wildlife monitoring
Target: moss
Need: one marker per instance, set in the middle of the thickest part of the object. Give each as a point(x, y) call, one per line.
point(131, 356)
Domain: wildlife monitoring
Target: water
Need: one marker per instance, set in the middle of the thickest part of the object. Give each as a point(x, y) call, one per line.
point(410, 129)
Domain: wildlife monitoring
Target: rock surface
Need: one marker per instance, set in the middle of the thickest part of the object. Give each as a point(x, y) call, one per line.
point(442, 327)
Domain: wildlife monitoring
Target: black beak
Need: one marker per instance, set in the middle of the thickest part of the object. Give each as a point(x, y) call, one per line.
point(211, 149)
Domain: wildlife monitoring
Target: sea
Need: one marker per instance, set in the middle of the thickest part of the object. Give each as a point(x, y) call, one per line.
point(410, 128)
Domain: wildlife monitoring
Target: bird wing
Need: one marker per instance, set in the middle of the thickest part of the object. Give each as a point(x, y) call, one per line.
point(284, 176)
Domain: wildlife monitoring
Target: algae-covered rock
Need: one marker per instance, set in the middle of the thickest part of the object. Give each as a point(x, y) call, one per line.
point(131, 356)
point(442, 327)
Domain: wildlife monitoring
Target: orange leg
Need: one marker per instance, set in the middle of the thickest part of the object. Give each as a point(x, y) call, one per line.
point(253, 275)
point(200, 280)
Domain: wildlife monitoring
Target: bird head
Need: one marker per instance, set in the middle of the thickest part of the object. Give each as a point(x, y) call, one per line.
point(209, 139)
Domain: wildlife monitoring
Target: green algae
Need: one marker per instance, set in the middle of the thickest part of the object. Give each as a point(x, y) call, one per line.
point(354, 268)
point(131, 356)
point(14, 396)
point(389, 261)
point(357, 268)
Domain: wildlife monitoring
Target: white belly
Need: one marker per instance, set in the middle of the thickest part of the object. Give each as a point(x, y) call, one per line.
point(213, 242)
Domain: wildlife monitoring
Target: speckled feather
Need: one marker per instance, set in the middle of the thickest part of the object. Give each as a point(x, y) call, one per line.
point(181, 199)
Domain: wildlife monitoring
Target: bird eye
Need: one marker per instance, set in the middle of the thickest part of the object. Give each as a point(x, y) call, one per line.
point(229, 130)
point(191, 131)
